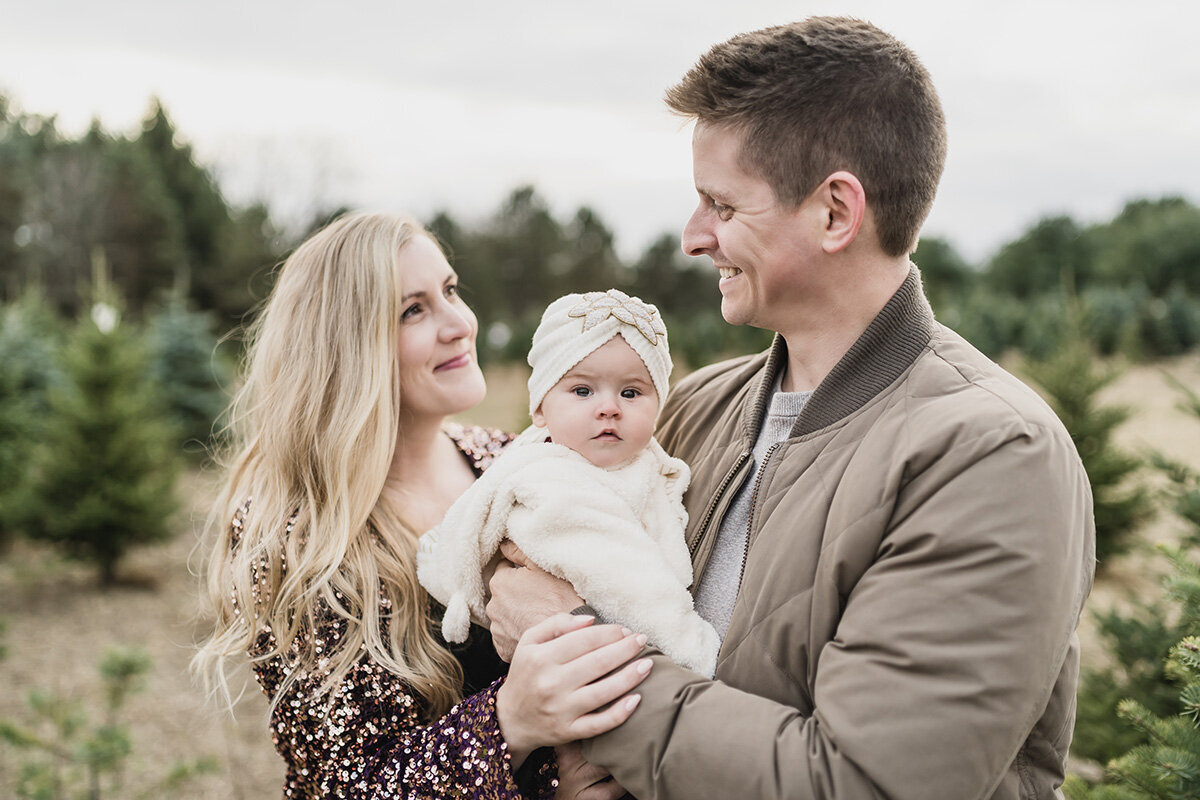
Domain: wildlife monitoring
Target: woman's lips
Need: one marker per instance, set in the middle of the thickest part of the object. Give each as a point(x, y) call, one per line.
point(454, 363)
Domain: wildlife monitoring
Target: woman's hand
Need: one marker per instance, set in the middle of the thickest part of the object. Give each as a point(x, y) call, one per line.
point(579, 779)
point(559, 688)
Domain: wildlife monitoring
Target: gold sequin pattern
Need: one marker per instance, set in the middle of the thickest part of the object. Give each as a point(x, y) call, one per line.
point(367, 738)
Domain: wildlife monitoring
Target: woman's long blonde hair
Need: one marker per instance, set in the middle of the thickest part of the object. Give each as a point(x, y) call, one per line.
point(314, 430)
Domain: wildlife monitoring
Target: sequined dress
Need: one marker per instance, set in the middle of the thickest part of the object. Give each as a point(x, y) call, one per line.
point(366, 739)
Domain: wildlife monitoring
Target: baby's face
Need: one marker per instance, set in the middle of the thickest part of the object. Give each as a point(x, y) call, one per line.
point(604, 407)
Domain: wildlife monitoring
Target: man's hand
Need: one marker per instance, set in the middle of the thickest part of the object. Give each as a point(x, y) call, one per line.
point(522, 596)
point(579, 779)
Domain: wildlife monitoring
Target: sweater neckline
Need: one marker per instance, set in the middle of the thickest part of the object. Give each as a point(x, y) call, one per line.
point(888, 347)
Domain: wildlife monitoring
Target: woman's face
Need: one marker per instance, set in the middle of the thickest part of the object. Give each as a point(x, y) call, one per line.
point(439, 374)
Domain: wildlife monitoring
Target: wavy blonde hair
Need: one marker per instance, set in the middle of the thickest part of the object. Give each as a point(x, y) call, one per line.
point(314, 429)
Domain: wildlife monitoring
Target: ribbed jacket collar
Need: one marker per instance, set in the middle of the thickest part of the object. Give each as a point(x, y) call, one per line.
point(889, 346)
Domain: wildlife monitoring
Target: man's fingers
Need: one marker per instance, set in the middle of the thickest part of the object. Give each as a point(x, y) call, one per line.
point(605, 790)
point(509, 550)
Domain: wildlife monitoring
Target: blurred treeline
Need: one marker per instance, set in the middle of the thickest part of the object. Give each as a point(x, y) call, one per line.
point(160, 222)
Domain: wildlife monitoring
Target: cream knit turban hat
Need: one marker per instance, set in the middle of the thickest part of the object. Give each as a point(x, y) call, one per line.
point(575, 325)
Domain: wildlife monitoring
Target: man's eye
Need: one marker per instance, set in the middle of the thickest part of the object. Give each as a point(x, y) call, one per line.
point(723, 211)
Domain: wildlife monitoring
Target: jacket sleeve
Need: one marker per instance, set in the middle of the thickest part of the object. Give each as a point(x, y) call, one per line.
point(950, 643)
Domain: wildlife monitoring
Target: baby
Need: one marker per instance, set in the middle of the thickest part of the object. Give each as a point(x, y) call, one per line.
point(586, 491)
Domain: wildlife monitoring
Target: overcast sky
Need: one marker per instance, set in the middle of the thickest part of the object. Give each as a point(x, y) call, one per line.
point(1052, 106)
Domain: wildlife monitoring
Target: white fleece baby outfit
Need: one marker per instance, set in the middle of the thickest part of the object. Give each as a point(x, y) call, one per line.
point(616, 534)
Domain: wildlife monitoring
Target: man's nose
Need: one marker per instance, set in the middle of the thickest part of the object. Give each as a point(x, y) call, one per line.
point(698, 238)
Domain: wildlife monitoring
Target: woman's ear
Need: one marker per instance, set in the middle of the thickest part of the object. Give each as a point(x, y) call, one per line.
point(845, 208)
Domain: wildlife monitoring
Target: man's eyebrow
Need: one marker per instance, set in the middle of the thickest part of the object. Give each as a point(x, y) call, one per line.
point(713, 194)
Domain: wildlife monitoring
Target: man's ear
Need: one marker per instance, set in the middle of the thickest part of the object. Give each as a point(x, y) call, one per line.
point(845, 207)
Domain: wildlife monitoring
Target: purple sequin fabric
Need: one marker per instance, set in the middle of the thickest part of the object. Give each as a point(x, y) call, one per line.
point(367, 738)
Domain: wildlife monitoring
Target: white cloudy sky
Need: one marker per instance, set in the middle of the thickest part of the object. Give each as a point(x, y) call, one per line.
point(1053, 106)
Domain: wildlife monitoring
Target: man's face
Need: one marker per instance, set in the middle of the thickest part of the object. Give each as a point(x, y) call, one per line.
point(763, 250)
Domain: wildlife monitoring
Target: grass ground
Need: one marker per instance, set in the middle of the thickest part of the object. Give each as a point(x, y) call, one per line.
point(59, 622)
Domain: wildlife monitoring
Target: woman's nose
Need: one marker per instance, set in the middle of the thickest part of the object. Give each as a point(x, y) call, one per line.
point(456, 323)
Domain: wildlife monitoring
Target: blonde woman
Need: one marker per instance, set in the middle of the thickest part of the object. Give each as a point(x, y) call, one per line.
point(342, 456)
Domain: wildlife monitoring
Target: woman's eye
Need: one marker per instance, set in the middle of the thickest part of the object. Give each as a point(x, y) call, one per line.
point(411, 311)
point(452, 290)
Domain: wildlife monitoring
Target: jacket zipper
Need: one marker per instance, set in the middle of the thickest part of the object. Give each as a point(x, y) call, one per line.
point(716, 501)
point(753, 500)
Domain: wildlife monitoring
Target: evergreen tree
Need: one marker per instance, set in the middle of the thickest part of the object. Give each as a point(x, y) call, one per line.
point(103, 478)
point(27, 335)
point(1071, 381)
point(184, 364)
point(1167, 765)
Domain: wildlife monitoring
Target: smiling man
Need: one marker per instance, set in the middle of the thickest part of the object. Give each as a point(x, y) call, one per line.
point(892, 535)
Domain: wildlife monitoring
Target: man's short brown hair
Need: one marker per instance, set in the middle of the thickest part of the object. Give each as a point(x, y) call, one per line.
point(822, 95)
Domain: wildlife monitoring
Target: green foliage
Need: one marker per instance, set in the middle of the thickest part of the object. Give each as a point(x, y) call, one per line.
point(183, 363)
point(66, 754)
point(27, 342)
point(1071, 380)
point(1138, 643)
point(1053, 252)
point(102, 480)
point(944, 273)
point(1156, 242)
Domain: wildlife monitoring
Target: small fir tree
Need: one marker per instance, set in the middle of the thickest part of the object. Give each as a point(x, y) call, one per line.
point(1071, 380)
point(1167, 765)
point(103, 478)
point(27, 331)
point(63, 753)
point(185, 366)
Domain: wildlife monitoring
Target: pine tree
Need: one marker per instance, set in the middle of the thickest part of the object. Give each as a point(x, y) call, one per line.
point(1167, 765)
point(185, 366)
point(103, 478)
point(1071, 381)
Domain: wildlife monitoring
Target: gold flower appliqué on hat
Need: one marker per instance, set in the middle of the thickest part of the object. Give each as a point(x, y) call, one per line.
point(599, 306)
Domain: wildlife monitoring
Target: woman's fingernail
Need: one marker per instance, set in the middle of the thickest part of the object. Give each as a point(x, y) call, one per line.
point(641, 640)
point(632, 701)
point(625, 631)
point(644, 666)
